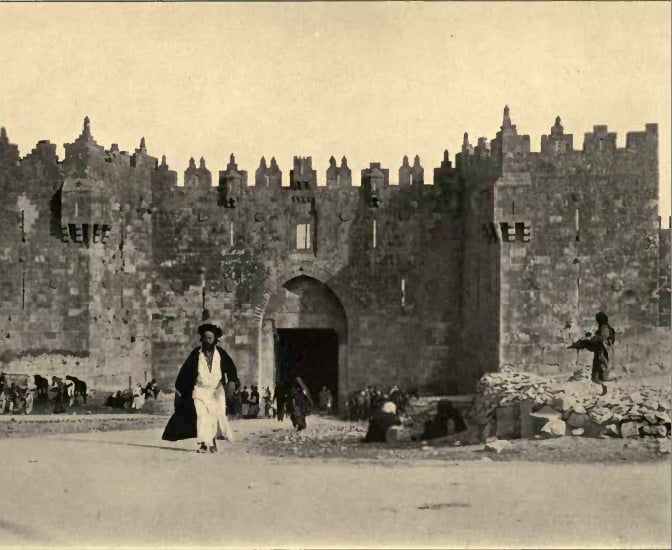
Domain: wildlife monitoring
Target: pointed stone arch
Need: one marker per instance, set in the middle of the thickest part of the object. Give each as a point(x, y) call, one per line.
point(334, 300)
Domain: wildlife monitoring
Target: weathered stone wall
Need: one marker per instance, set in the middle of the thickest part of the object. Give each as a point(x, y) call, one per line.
point(75, 272)
point(480, 296)
point(44, 286)
point(105, 259)
point(664, 277)
point(593, 246)
point(230, 261)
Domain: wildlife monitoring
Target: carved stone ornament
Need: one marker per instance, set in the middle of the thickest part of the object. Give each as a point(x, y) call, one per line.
point(259, 217)
point(344, 216)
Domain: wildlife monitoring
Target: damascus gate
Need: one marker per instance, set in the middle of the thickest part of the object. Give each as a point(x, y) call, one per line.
point(352, 277)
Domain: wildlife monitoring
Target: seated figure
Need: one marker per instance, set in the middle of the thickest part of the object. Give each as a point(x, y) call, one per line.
point(380, 421)
point(448, 421)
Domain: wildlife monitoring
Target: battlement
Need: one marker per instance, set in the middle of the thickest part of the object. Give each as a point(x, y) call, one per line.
point(410, 176)
point(509, 150)
point(302, 177)
point(269, 177)
point(339, 177)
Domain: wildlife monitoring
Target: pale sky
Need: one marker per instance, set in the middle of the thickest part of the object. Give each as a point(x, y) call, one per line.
point(371, 81)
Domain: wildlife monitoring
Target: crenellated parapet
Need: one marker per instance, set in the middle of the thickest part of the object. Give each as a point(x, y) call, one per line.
point(42, 165)
point(444, 174)
point(137, 177)
point(509, 144)
point(646, 141)
point(44, 152)
point(302, 177)
point(482, 151)
point(557, 142)
point(600, 140)
point(375, 180)
point(411, 176)
point(339, 177)
point(9, 163)
point(268, 177)
point(163, 178)
point(197, 178)
point(232, 184)
point(83, 151)
point(9, 152)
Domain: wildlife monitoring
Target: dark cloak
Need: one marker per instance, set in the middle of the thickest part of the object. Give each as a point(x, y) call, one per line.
point(182, 425)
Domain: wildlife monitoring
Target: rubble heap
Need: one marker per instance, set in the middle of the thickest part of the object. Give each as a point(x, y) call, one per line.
point(517, 404)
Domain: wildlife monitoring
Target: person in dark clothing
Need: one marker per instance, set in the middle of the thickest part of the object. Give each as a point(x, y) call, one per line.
point(237, 404)
point(302, 403)
point(380, 421)
point(448, 421)
point(253, 402)
point(284, 397)
point(57, 385)
point(602, 345)
point(152, 388)
point(279, 399)
point(200, 400)
point(268, 404)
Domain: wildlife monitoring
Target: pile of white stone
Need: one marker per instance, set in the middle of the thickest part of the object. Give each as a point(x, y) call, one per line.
point(519, 404)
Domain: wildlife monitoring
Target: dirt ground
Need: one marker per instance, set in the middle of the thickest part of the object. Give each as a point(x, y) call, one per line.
point(129, 488)
point(333, 439)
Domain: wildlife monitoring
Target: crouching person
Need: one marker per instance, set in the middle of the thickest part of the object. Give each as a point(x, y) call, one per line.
point(380, 422)
point(447, 422)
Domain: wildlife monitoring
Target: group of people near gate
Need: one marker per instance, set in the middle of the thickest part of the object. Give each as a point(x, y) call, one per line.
point(361, 404)
point(202, 383)
point(20, 398)
point(133, 398)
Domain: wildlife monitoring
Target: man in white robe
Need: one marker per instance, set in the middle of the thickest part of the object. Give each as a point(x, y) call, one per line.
point(200, 404)
point(209, 396)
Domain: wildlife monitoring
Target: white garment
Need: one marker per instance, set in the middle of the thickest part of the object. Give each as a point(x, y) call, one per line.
point(29, 402)
point(210, 401)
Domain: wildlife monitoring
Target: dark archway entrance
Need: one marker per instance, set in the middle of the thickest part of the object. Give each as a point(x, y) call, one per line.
point(304, 331)
point(311, 354)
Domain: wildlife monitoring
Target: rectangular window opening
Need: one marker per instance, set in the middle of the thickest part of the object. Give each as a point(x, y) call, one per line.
point(403, 292)
point(513, 208)
point(520, 231)
point(576, 224)
point(508, 232)
point(303, 236)
point(231, 233)
point(374, 241)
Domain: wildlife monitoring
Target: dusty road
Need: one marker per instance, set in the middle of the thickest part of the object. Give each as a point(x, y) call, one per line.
point(131, 489)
